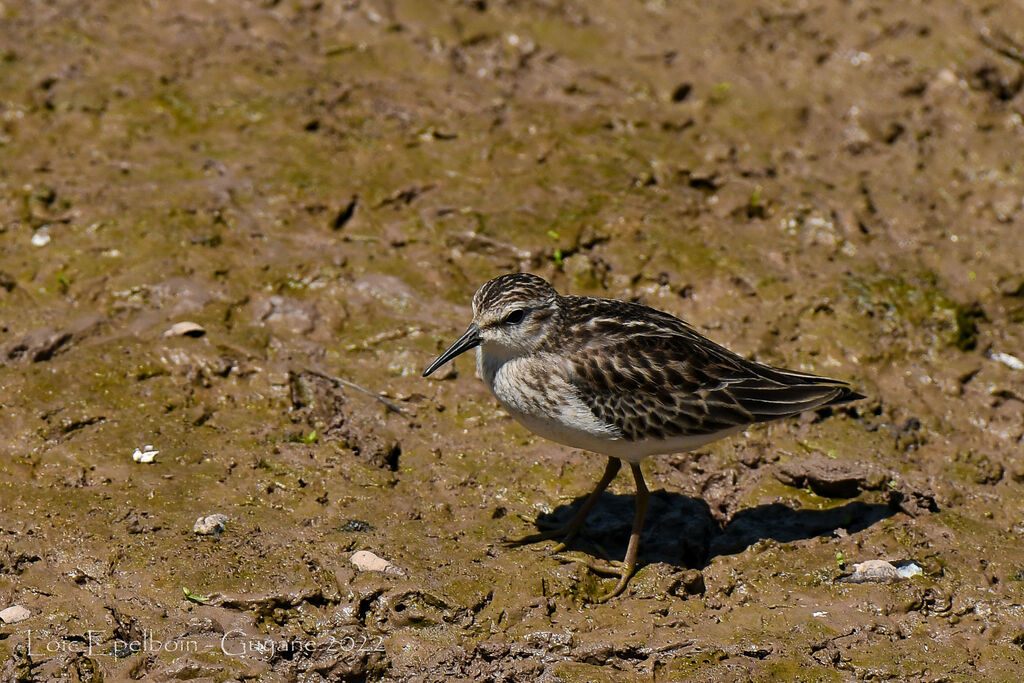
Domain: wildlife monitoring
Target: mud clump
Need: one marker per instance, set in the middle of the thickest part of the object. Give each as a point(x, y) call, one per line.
point(828, 478)
point(42, 345)
point(324, 400)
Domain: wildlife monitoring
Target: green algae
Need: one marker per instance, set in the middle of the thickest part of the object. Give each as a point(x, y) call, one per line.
point(917, 304)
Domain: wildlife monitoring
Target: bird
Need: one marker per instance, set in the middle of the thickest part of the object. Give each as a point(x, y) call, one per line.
point(622, 380)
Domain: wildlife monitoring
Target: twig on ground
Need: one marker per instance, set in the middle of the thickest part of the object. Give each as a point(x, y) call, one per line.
point(391, 405)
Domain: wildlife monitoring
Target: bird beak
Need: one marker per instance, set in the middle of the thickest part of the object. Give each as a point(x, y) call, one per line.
point(467, 341)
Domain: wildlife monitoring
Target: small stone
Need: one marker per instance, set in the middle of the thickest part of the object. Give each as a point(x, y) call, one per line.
point(185, 329)
point(41, 237)
point(909, 569)
point(211, 525)
point(1009, 361)
point(689, 582)
point(14, 614)
point(872, 571)
point(945, 79)
point(366, 561)
point(287, 314)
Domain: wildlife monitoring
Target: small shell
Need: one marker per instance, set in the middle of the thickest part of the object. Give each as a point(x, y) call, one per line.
point(146, 455)
point(185, 329)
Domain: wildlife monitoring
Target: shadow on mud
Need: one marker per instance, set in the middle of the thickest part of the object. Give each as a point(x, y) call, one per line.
point(681, 530)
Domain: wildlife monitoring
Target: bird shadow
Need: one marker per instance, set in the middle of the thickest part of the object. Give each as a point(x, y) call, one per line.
point(680, 530)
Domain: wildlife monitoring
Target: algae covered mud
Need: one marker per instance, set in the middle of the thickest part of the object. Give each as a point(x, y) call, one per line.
point(218, 221)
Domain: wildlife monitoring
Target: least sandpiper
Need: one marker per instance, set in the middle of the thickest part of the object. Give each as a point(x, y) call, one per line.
point(620, 379)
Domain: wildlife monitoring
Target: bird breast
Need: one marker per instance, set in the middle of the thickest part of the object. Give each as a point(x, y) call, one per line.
point(535, 390)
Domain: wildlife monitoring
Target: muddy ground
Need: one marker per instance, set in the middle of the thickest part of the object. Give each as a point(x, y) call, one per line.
point(320, 187)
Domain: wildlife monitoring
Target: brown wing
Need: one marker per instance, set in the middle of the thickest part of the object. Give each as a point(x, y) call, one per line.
point(653, 376)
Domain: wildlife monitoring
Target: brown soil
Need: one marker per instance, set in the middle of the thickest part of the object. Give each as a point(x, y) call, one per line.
point(834, 187)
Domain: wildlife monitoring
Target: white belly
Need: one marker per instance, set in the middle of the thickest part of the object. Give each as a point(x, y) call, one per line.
point(538, 397)
point(630, 451)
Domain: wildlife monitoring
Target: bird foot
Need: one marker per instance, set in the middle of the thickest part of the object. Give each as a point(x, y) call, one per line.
point(623, 570)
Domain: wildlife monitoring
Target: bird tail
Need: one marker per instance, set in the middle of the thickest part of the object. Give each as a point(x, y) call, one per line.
point(846, 395)
point(777, 393)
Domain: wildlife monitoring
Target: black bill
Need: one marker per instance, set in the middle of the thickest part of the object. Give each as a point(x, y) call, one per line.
point(471, 339)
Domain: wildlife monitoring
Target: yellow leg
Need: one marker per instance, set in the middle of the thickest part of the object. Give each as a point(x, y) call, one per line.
point(629, 563)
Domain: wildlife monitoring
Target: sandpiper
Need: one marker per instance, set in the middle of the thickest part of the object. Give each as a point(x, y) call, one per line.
point(620, 379)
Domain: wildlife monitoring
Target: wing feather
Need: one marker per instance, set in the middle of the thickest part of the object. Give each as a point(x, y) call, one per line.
point(651, 375)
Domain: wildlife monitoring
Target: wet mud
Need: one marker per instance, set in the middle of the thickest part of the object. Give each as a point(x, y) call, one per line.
point(318, 188)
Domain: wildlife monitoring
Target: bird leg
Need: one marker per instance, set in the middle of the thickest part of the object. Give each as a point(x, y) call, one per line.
point(568, 531)
point(628, 566)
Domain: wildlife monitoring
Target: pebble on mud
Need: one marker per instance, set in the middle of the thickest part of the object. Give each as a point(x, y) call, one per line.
point(146, 455)
point(185, 329)
point(366, 561)
point(1008, 360)
point(880, 571)
point(14, 614)
point(909, 569)
point(211, 525)
point(41, 237)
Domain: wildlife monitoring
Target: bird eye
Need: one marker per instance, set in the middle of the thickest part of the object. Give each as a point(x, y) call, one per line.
point(514, 317)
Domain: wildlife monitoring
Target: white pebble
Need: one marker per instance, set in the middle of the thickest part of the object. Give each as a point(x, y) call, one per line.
point(1009, 361)
point(41, 237)
point(14, 614)
point(366, 561)
point(211, 525)
point(873, 571)
point(909, 569)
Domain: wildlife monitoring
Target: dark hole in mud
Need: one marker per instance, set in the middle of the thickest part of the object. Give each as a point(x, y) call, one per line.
point(990, 78)
point(681, 92)
point(967, 319)
point(346, 213)
point(391, 457)
point(384, 456)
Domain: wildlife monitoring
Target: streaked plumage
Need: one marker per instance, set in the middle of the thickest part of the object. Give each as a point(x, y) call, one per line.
point(621, 379)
